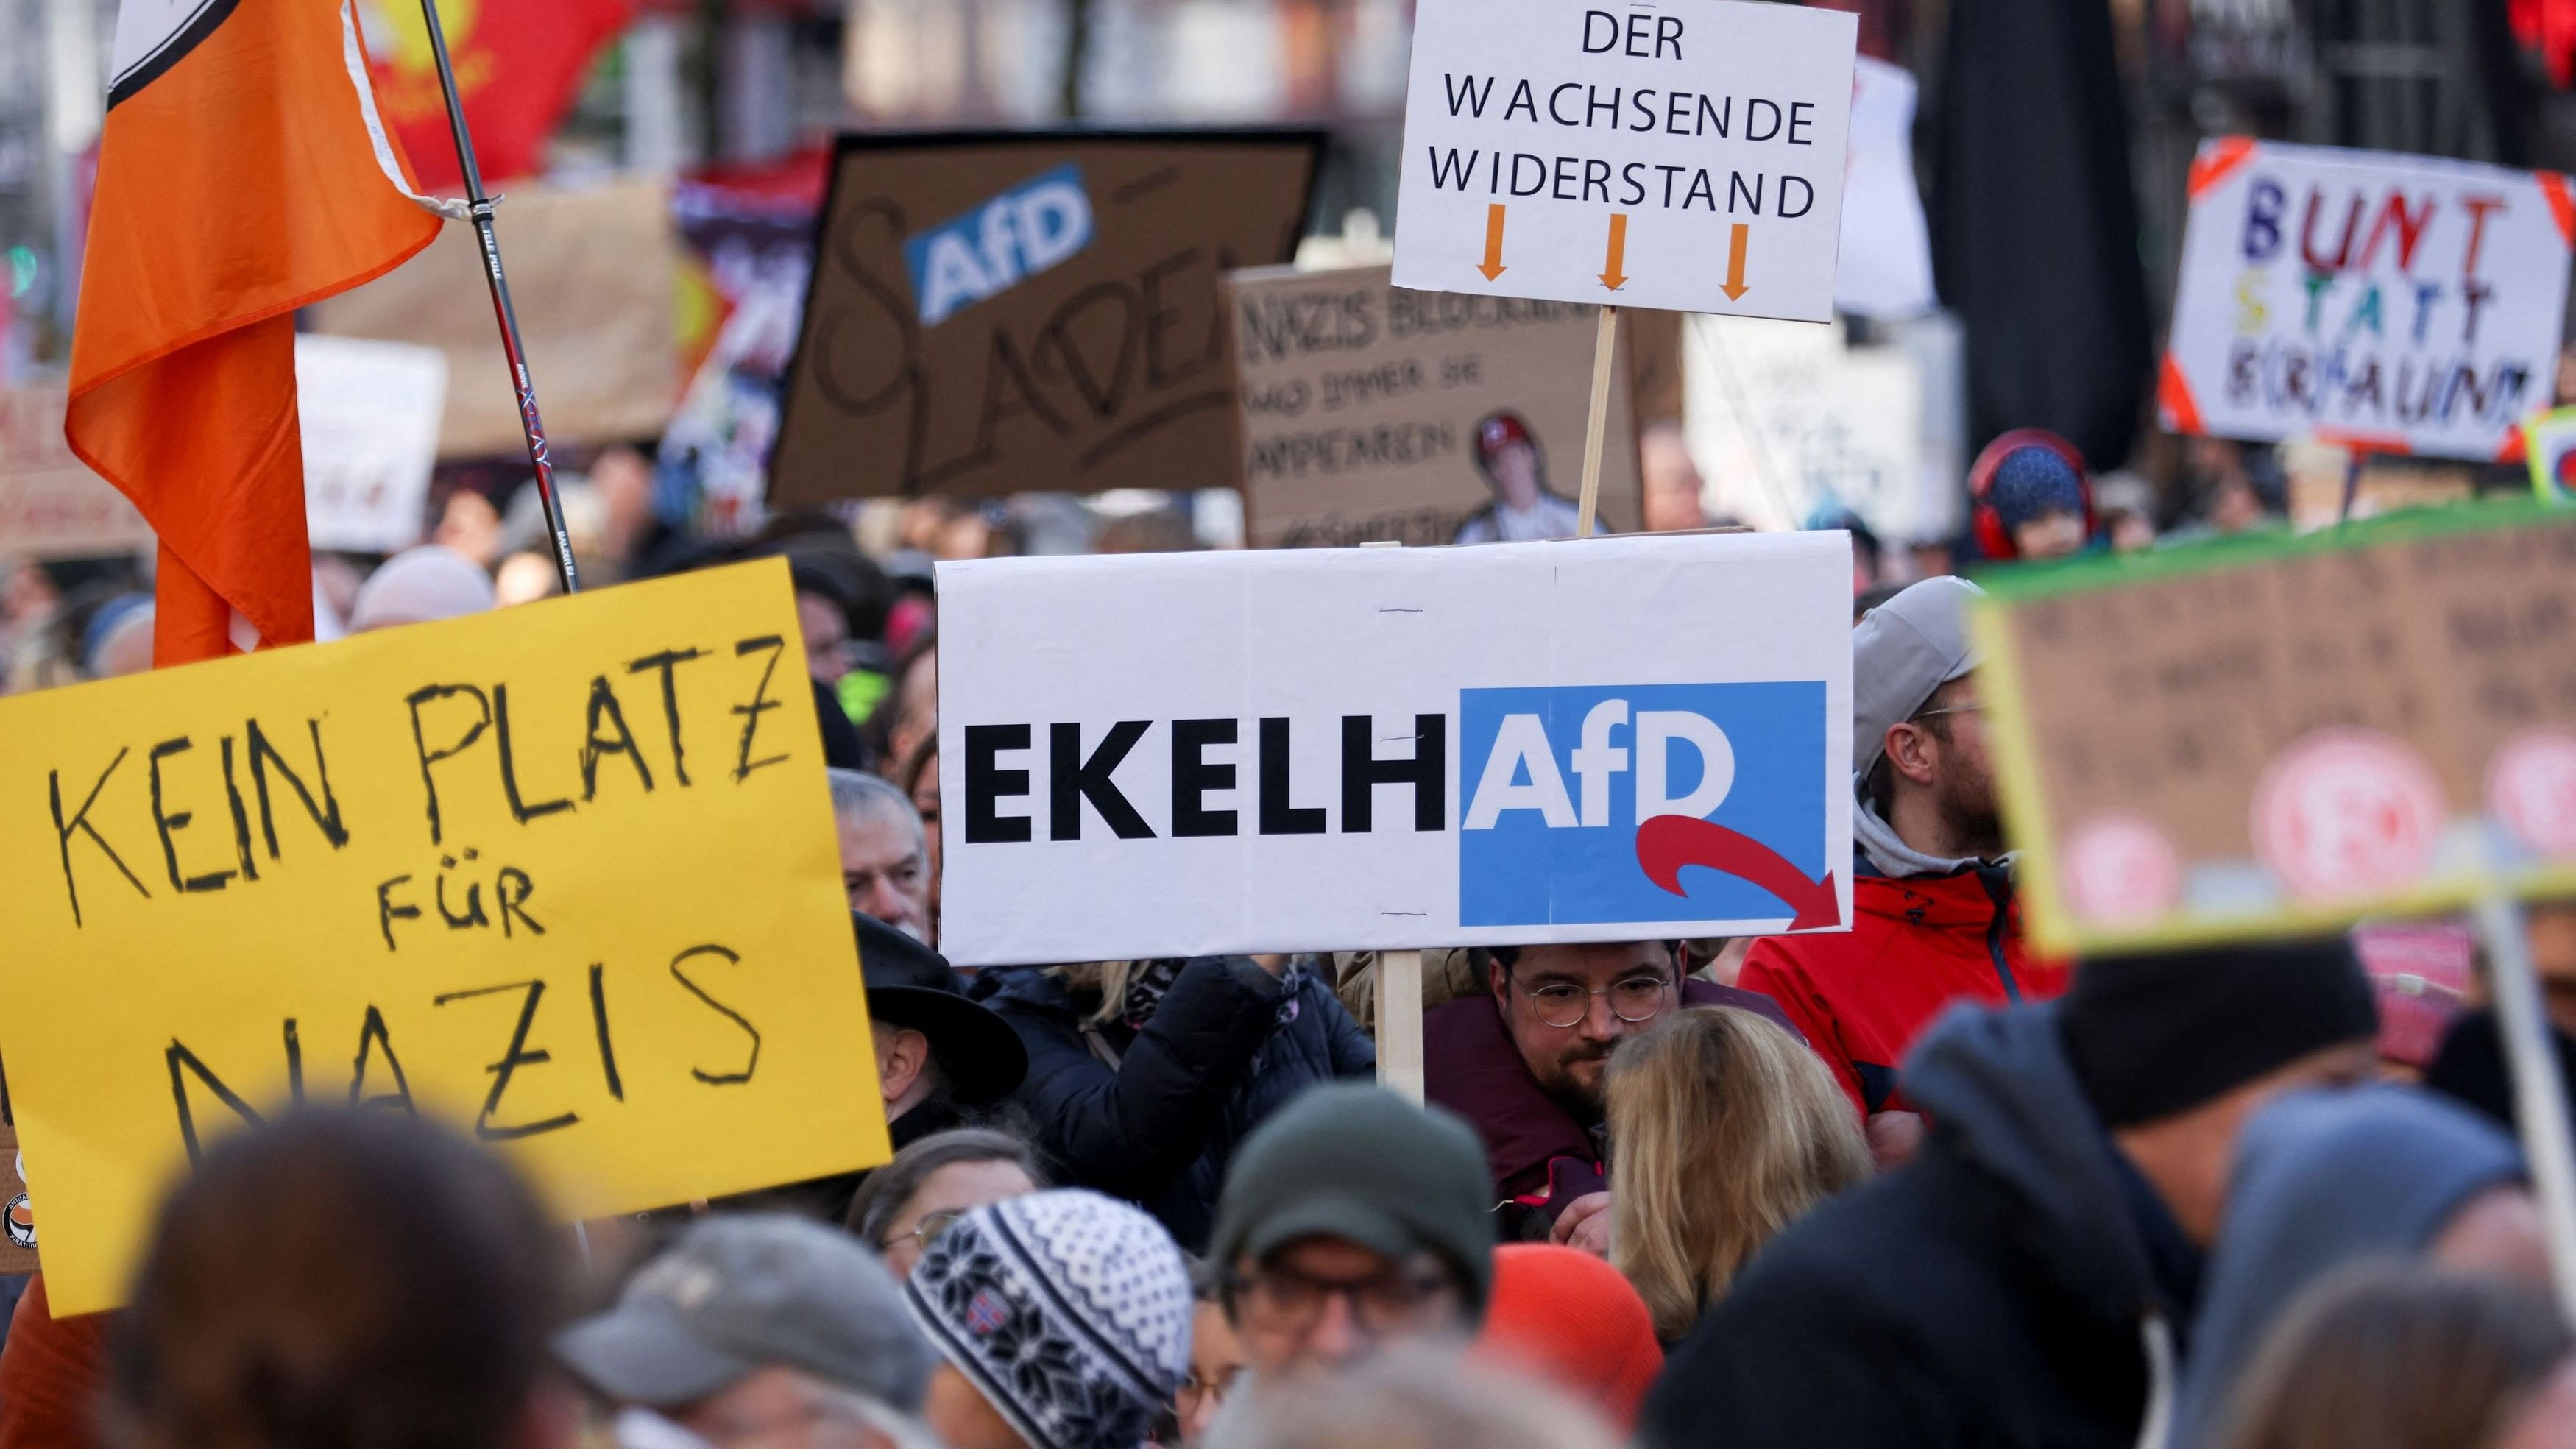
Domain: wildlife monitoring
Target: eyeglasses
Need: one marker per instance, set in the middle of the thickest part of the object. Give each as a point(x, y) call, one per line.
point(1282, 1300)
point(925, 1232)
point(1562, 1004)
point(1196, 1393)
point(1978, 708)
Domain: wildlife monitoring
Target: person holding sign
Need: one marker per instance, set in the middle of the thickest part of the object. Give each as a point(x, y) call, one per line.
point(1935, 920)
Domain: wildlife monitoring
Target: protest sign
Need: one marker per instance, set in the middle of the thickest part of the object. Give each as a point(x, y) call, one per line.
point(2263, 735)
point(593, 274)
point(1686, 156)
point(2403, 304)
point(17, 1211)
point(2549, 447)
point(995, 313)
point(1370, 412)
point(565, 877)
point(1791, 423)
point(51, 504)
point(1301, 749)
point(370, 412)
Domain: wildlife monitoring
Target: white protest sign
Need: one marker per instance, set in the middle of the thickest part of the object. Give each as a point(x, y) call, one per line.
point(1687, 155)
point(2397, 303)
point(1787, 421)
point(371, 412)
point(1178, 754)
point(1886, 265)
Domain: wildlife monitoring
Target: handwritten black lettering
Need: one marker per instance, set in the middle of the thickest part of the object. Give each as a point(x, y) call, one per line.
point(518, 1055)
point(520, 810)
point(169, 825)
point(264, 756)
point(750, 1063)
point(387, 912)
point(667, 662)
point(604, 705)
point(599, 1018)
point(181, 1060)
point(760, 704)
point(80, 822)
point(473, 897)
point(372, 1037)
point(510, 891)
point(240, 813)
point(430, 694)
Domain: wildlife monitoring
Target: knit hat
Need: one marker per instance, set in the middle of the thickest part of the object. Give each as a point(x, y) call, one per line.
point(1068, 1310)
point(2149, 1036)
point(1497, 432)
point(1359, 1163)
point(1575, 1321)
point(2035, 480)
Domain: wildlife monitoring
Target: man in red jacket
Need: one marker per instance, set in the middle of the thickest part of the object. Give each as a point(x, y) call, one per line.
point(1932, 894)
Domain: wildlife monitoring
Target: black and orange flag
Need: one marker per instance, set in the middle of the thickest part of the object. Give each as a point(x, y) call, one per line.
point(243, 173)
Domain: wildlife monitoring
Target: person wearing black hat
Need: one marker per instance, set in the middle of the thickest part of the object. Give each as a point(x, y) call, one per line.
point(2026, 1278)
point(939, 1058)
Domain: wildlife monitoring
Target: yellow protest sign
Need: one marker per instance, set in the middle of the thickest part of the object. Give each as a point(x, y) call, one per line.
point(564, 875)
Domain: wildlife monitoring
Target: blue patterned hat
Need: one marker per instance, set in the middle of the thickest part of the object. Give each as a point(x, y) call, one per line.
point(1069, 1310)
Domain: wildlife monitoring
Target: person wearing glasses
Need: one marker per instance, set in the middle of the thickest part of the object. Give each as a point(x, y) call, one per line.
point(1934, 919)
point(905, 1205)
point(1524, 1063)
point(1352, 1220)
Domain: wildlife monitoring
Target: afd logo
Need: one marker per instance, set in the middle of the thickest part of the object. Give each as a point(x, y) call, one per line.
point(1666, 802)
point(987, 251)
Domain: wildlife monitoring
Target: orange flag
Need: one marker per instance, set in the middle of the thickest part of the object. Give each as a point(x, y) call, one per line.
point(243, 173)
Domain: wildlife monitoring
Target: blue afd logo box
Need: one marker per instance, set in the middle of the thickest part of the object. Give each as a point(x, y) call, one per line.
point(1727, 779)
point(966, 259)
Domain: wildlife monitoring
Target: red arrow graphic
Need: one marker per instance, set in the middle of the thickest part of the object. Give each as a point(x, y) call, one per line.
point(1668, 842)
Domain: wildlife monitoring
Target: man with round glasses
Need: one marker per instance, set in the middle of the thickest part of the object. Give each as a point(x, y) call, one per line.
point(1523, 1063)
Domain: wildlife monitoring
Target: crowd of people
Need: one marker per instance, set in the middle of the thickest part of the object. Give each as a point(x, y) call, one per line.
point(1913, 1184)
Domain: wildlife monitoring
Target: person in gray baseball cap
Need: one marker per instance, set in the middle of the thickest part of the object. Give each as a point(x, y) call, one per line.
point(759, 1326)
point(1934, 919)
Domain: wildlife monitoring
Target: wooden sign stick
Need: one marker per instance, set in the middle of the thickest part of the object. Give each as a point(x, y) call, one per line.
point(2539, 1095)
point(1605, 352)
point(1399, 1023)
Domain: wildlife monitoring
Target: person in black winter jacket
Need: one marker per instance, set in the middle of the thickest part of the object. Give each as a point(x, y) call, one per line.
point(1148, 1100)
point(2024, 1281)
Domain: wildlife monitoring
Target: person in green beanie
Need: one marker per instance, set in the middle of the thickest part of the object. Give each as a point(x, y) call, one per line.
point(1351, 1220)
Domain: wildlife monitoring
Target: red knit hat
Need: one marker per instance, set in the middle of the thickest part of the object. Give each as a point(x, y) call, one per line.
point(1566, 1314)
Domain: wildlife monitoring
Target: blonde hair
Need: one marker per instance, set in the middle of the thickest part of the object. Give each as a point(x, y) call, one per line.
point(1724, 1128)
point(1109, 978)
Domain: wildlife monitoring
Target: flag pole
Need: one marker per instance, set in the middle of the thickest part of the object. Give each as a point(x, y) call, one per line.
point(479, 206)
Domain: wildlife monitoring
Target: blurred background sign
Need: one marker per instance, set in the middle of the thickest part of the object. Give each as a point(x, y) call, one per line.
point(370, 412)
point(51, 504)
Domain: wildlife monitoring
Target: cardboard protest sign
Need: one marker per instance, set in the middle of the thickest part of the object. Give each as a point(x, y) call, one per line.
point(51, 504)
point(370, 413)
point(1303, 749)
point(2279, 733)
point(2398, 302)
point(1366, 411)
point(17, 1211)
point(593, 272)
point(564, 875)
point(996, 313)
point(1687, 156)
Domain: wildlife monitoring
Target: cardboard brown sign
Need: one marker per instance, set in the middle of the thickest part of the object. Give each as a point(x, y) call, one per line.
point(51, 504)
point(17, 1217)
point(2285, 733)
point(592, 274)
point(1000, 313)
point(1361, 406)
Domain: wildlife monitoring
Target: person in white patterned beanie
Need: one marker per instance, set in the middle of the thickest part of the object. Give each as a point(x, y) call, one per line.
point(1062, 1320)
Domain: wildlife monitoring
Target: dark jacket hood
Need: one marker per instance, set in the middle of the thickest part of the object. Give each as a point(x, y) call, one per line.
point(1998, 1096)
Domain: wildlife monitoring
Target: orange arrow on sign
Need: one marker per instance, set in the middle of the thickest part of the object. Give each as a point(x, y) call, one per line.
point(1493, 266)
point(1735, 288)
point(1611, 276)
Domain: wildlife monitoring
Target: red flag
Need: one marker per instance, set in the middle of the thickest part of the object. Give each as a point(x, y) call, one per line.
point(242, 173)
point(517, 63)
